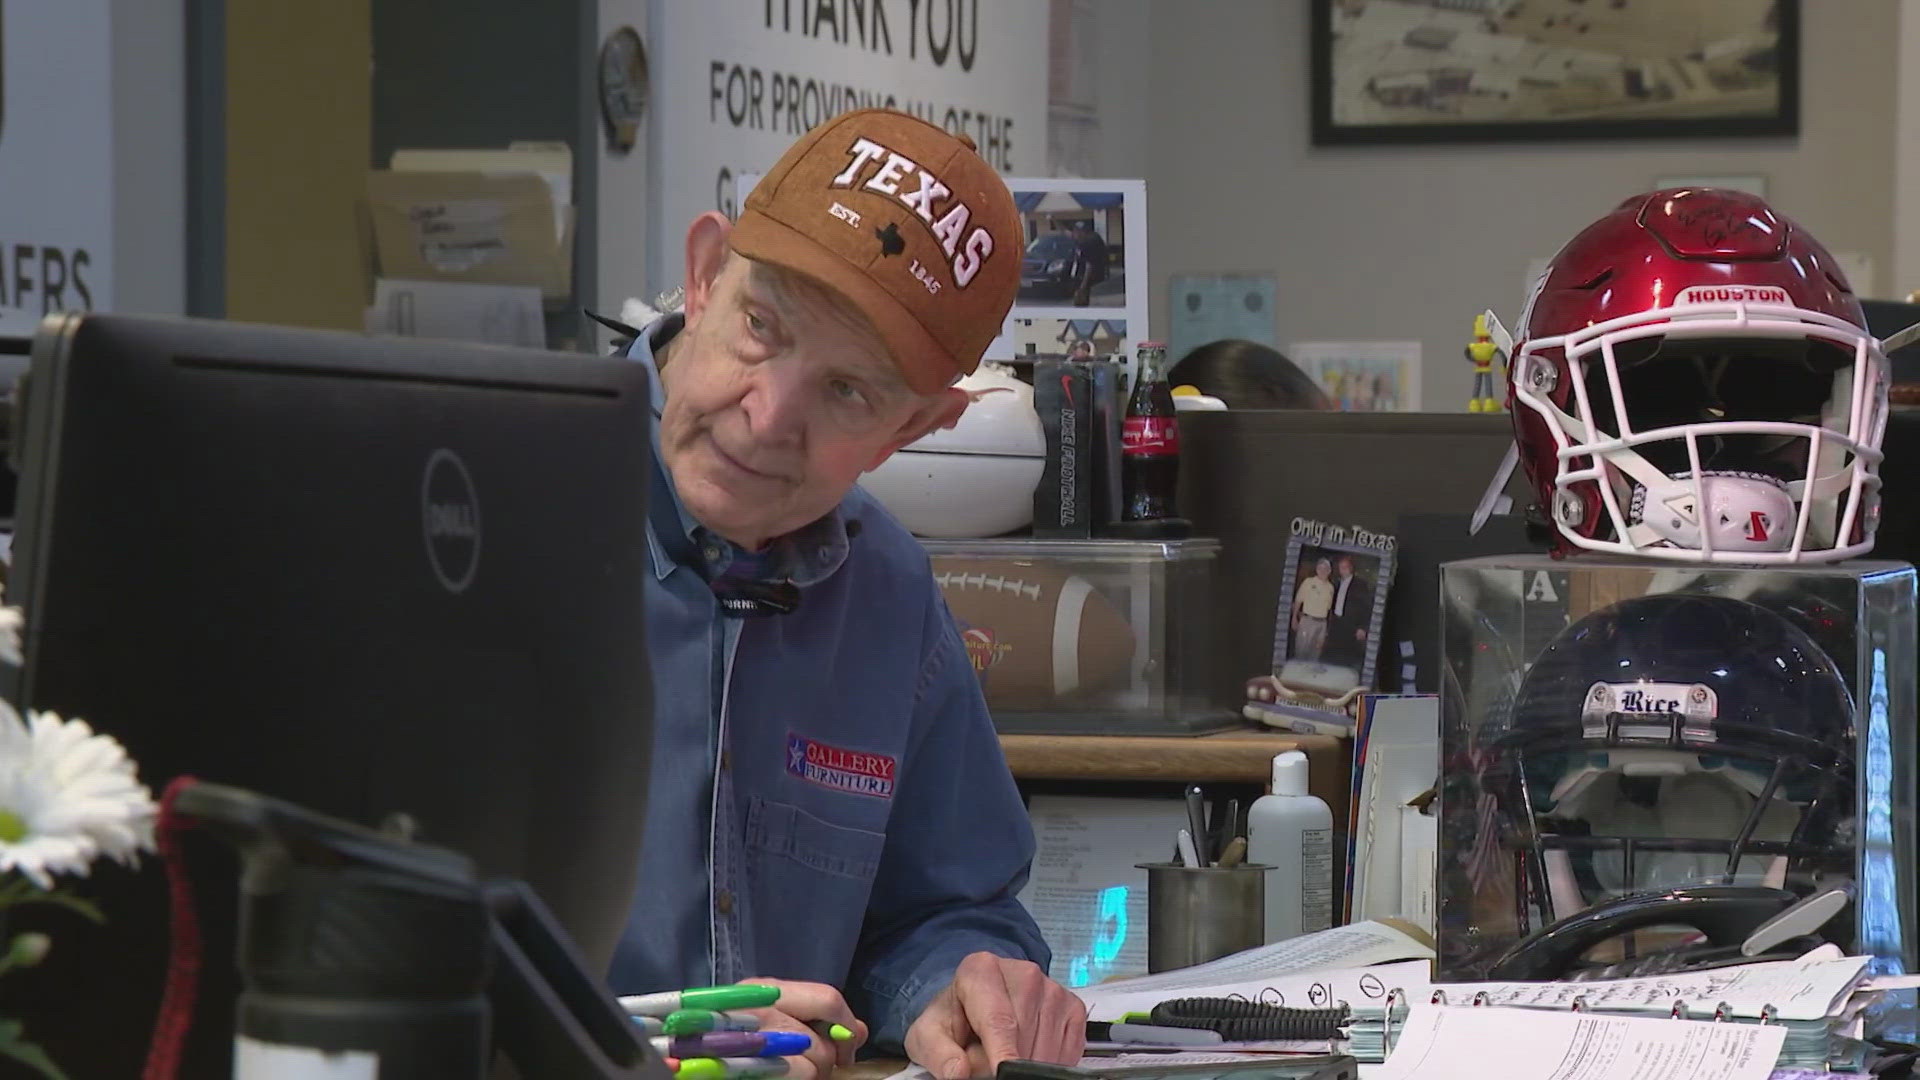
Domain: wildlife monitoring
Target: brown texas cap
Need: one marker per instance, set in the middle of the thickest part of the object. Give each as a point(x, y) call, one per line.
point(907, 222)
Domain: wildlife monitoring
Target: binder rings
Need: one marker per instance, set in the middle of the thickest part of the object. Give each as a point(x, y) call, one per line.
point(1810, 1043)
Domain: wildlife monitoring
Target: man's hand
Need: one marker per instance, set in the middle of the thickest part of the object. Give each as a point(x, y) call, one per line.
point(996, 1009)
point(804, 1002)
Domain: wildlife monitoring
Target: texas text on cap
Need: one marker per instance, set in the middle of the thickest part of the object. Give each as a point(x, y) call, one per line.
point(907, 222)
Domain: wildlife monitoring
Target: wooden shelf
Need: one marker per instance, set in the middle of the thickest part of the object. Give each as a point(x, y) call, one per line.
point(1239, 756)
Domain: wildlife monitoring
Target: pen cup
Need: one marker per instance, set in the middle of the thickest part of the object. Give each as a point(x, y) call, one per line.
point(1196, 914)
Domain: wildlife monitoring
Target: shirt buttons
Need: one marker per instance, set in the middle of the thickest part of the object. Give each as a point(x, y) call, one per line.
point(712, 553)
point(723, 902)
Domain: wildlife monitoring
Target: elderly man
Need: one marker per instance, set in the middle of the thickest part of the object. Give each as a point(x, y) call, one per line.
point(829, 808)
point(1311, 603)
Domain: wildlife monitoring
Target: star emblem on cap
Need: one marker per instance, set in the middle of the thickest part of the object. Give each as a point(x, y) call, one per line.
point(891, 242)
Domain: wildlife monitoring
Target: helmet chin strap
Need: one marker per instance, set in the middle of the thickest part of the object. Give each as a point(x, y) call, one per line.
point(1495, 499)
point(1635, 468)
point(1901, 339)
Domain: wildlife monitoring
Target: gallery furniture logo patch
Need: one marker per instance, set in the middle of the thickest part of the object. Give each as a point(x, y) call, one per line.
point(843, 770)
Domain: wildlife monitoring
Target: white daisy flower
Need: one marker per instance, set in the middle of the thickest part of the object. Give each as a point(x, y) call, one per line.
point(11, 620)
point(67, 796)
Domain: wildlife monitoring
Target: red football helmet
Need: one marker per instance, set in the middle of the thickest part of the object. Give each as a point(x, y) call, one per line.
point(1692, 380)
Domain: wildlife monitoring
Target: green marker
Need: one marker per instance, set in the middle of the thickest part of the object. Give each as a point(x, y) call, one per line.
point(732, 1068)
point(710, 997)
point(701, 1021)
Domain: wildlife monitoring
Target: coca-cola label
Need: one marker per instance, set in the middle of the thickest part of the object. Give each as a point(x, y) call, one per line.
point(1149, 436)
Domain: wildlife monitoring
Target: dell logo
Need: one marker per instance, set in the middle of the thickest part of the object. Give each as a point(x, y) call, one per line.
point(450, 514)
point(451, 519)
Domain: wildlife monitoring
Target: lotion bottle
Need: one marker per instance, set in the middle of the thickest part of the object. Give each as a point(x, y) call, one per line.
point(1292, 832)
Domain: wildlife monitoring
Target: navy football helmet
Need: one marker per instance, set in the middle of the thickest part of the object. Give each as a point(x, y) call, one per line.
point(1673, 740)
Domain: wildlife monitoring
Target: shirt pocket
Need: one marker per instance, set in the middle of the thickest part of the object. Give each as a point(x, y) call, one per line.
point(800, 864)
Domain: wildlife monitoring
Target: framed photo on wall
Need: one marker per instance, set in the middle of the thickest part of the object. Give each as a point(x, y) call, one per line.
point(1408, 71)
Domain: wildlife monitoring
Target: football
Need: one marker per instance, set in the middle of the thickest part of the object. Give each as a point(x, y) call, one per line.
point(1039, 638)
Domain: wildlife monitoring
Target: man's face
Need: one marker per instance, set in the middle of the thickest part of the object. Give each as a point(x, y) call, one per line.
point(1346, 568)
point(1322, 569)
point(777, 398)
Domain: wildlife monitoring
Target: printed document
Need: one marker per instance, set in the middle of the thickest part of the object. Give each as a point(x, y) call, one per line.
point(1357, 987)
point(1805, 989)
point(1535, 1045)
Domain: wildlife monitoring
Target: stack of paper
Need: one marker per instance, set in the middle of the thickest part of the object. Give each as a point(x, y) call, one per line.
point(1312, 971)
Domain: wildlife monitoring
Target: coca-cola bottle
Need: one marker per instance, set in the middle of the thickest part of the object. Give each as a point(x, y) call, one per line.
point(1149, 442)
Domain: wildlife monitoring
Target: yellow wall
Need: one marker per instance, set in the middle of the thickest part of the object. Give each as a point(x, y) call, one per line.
point(299, 132)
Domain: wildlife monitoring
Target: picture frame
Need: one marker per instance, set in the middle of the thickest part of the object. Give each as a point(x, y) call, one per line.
point(1412, 71)
point(1327, 627)
point(1363, 376)
point(1057, 313)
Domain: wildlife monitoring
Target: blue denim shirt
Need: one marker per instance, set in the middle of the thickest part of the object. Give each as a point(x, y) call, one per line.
point(828, 800)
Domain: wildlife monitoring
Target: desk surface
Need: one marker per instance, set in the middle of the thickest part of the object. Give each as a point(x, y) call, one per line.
point(874, 1069)
point(1242, 755)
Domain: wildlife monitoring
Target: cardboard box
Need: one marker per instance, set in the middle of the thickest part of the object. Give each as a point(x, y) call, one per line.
point(495, 229)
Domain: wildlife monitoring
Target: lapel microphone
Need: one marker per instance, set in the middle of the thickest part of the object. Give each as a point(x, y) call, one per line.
point(743, 598)
point(754, 599)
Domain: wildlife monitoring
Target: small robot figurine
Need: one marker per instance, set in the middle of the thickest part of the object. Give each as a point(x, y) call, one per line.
point(1482, 352)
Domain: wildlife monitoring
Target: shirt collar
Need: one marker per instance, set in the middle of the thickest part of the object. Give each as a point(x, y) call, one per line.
point(805, 556)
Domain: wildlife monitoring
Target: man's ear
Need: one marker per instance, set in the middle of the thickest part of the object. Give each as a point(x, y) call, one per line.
point(941, 410)
point(706, 254)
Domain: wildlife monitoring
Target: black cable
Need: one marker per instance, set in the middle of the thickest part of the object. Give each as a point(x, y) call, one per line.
point(1250, 1021)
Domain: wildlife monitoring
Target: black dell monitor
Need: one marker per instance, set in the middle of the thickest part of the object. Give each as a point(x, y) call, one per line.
point(368, 576)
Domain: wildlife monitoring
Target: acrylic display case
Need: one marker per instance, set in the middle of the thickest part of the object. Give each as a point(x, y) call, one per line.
point(1613, 730)
point(1087, 636)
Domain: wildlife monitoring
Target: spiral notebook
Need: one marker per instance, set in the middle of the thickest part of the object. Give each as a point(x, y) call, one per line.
point(1807, 997)
point(1520, 1044)
point(1346, 963)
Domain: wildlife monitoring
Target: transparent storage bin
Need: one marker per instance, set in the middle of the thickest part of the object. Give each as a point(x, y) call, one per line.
point(1087, 636)
point(1549, 760)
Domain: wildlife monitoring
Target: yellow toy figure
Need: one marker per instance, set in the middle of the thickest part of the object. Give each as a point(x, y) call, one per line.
point(1483, 352)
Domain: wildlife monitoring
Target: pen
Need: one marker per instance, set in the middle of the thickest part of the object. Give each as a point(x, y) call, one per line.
point(1187, 855)
point(1152, 1034)
point(717, 1044)
point(1197, 822)
point(700, 1021)
point(708, 997)
point(730, 1068)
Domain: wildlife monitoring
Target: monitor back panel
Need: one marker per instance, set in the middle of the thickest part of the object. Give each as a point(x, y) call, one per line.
point(370, 577)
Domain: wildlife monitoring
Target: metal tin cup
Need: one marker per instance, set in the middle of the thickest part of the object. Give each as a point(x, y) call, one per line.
point(1196, 914)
